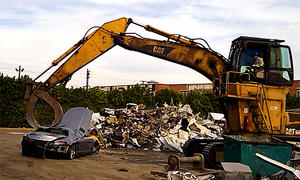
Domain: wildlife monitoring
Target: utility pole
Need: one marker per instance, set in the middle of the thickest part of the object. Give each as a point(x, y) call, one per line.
point(87, 78)
point(19, 70)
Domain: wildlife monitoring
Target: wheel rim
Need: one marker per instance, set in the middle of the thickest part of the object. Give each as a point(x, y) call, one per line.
point(95, 149)
point(72, 152)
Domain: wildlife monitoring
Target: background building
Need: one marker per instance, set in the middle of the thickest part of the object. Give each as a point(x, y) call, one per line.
point(183, 89)
point(153, 86)
point(295, 89)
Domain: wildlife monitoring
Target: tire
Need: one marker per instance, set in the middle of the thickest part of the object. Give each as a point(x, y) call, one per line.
point(26, 151)
point(192, 146)
point(71, 154)
point(210, 157)
point(95, 148)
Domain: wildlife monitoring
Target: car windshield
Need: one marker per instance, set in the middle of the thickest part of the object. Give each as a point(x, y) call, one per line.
point(54, 130)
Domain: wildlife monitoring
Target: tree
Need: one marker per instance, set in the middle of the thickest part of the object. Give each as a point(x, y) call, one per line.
point(93, 98)
point(292, 101)
point(96, 99)
point(202, 102)
point(12, 108)
point(116, 99)
point(74, 98)
point(138, 95)
point(148, 98)
point(167, 96)
point(134, 95)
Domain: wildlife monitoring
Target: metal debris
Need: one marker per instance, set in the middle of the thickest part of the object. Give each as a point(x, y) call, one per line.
point(296, 172)
point(123, 170)
point(177, 175)
point(165, 128)
point(235, 170)
point(175, 162)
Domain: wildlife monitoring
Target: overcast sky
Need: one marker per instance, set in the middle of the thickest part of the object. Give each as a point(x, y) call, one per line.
point(34, 32)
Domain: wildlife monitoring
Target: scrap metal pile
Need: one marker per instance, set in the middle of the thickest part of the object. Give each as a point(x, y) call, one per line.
point(164, 128)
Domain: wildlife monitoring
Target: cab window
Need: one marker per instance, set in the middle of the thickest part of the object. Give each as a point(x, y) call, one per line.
point(280, 66)
point(247, 58)
point(280, 58)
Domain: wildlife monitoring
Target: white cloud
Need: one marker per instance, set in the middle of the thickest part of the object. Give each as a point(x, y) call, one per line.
point(33, 33)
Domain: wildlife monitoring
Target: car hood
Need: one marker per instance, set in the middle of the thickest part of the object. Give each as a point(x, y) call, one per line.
point(43, 136)
point(76, 118)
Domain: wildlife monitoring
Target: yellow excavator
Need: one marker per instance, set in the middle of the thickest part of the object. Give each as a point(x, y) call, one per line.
point(254, 99)
point(255, 103)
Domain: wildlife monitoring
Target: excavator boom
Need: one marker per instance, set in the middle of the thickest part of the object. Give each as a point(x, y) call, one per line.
point(92, 46)
point(85, 51)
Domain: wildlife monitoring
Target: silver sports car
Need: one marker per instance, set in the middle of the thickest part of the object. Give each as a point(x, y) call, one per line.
point(66, 138)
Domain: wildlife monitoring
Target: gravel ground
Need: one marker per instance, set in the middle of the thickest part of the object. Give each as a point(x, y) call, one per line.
point(107, 164)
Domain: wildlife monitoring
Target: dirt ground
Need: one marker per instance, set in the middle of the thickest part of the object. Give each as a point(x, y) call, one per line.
point(107, 164)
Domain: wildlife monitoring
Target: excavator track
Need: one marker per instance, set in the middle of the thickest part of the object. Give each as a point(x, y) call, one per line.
point(213, 155)
point(212, 151)
point(193, 146)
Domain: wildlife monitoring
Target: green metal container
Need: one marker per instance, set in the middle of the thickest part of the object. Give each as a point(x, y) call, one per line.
point(242, 149)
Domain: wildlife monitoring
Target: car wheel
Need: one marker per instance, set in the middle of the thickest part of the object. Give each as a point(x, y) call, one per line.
point(26, 151)
point(71, 152)
point(96, 148)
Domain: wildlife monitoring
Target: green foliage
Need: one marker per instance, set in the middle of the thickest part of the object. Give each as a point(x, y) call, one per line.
point(93, 99)
point(74, 97)
point(43, 113)
point(134, 94)
point(292, 101)
point(138, 95)
point(119, 98)
point(202, 102)
point(12, 109)
point(148, 98)
point(96, 99)
point(116, 98)
point(167, 96)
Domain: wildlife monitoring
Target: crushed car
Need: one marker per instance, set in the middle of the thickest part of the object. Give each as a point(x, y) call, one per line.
point(67, 138)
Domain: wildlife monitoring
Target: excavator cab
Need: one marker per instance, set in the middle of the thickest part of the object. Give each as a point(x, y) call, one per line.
point(277, 69)
point(255, 96)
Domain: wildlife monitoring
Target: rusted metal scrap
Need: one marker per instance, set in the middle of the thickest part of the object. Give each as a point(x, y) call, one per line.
point(175, 162)
point(165, 128)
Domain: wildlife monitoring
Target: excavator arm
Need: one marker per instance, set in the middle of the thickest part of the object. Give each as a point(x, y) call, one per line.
point(200, 59)
point(177, 49)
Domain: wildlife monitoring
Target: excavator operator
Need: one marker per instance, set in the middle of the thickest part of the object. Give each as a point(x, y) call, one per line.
point(256, 70)
point(258, 61)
